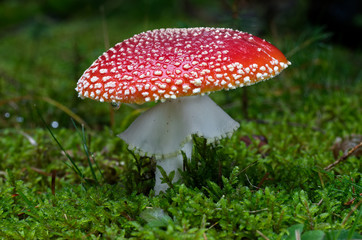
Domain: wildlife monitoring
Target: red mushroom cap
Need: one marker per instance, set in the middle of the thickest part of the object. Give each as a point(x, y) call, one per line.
point(170, 63)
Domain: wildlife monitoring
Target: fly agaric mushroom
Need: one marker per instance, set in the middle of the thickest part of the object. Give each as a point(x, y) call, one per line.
point(178, 67)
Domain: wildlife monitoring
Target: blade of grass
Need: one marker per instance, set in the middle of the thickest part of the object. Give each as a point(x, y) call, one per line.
point(74, 166)
point(85, 144)
point(86, 150)
point(317, 36)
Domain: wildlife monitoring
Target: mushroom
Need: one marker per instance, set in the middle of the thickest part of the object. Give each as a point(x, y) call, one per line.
point(178, 67)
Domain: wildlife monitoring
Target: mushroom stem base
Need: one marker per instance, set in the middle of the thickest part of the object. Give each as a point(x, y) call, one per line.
point(170, 164)
point(166, 129)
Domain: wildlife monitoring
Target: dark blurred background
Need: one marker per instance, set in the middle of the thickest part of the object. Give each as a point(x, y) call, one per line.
point(342, 18)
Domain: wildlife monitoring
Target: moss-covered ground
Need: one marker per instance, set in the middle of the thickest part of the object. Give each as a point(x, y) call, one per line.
point(268, 181)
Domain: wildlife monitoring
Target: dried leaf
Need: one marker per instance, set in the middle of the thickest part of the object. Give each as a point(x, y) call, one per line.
point(345, 144)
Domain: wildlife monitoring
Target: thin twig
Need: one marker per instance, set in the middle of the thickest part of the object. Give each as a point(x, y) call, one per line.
point(54, 175)
point(297, 235)
point(204, 235)
point(343, 157)
point(247, 178)
point(263, 180)
point(350, 213)
point(257, 211)
point(262, 235)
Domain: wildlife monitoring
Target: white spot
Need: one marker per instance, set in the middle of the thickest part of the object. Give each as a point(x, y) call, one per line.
point(94, 69)
point(185, 87)
point(86, 75)
point(186, 66)
point(162, 85)
point(274, 62)
point(210, 79)
point(139, 87)
point(283, 65)
point(156, 96)
point(231, 68)
point(132, 89)
point(239, 71)
point(86, 85)
point(196, 90)
point(157, 73)
point(94, 79)
point(197, 82)
point(236, 76)
point(54, 124)
point(106, 78)
point(110, 85)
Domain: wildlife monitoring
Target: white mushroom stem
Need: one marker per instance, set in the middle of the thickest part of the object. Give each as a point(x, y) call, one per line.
point(171, 164)
point(163, 130)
